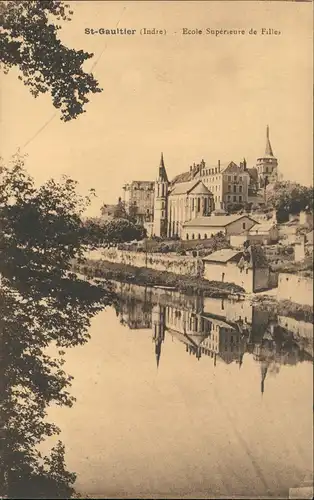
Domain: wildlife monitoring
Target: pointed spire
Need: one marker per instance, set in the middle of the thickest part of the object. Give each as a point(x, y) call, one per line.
point(264, 369)
point(162, 170)
point(268, 149)
point(241, 360)
point(162, 163)
point(158, 353)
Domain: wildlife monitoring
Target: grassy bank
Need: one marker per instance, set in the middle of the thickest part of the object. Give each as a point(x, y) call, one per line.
point(150, 277)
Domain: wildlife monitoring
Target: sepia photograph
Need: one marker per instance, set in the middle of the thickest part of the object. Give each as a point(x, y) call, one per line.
point(156, 249)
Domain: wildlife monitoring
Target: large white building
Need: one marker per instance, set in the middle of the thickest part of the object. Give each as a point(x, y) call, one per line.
point(169, 207)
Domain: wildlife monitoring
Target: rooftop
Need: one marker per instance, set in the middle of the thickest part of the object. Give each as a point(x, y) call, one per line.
point(215, 220)
point(223, 255)
point(186, 187)
point(263, 227)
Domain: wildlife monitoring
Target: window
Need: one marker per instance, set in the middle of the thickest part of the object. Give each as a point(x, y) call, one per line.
point(199, 236)
point(234, 198)
point(192, 203)
point(162, 204)
point(243, 225)
point(247, 271)
point(234, 188)
point(222, 277)
point(193, 236)
point(240, 179)
point(229, 178)
point(235, 177)
point(240, 189)
point(187, 236)
point(240, 198)
point(229, 197)
point(198, 204)
point(205, 236)
point(162, 213)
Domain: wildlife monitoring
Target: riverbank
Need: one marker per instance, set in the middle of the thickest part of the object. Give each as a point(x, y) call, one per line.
point(189, 285)
point(150, 277)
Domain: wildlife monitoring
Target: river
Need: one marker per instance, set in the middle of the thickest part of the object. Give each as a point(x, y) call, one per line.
point(189, 397)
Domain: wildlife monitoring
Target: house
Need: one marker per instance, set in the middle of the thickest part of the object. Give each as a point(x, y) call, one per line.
point(238, 267)
point(264, 233)
point(295, 288)
point(138, 199)
point(205, 227)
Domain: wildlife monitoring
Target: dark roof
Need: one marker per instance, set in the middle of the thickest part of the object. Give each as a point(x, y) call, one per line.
point(268, 149)
point(162, 170)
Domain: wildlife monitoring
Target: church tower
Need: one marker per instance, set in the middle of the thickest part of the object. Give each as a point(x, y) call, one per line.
point(158, 327)
point(264, 370)
point(267, 165)
point(161, 201)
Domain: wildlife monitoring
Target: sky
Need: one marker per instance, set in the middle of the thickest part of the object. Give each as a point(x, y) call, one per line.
point(188, 96)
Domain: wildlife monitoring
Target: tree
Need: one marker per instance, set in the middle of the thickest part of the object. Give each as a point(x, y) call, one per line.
point(112, 232)
point(29, 41)
point(290, 198)
point(42, 302)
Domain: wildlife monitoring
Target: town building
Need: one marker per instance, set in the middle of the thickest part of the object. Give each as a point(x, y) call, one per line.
point(233, 266)
point(177, 203)
point(205, 227)
point(296, 288)
point(229, 182)
point(165, 206)
point(138, 198)
point(264, 233)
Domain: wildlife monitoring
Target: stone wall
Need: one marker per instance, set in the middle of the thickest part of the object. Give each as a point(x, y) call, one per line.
point(177, 264)
point(295, 288)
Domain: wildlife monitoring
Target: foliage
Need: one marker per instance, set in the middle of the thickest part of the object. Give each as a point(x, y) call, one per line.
point(29, 41)
point(236, 207)
point(112, 232)
point(290, 198)
point(42, 302)
point(119, 211)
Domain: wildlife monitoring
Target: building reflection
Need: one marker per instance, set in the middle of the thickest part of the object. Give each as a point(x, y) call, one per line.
point(223, 330)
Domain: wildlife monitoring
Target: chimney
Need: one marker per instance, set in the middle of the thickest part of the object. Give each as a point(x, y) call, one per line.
point(191, 168)
point(244, 163)
point(218, 165)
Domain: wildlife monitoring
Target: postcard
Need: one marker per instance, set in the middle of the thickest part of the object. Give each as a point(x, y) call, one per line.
point(156, 256)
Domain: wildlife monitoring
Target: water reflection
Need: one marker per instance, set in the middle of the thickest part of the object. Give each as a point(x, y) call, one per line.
point(181, 396)
point(222, 330)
